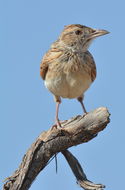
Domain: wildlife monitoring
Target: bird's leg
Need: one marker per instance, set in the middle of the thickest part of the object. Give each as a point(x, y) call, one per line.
point(58, 101)
point(57, 111)
point(80, 99)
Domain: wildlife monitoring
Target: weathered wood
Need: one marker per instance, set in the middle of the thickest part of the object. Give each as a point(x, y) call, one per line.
point(79, 173)
point(75, 131)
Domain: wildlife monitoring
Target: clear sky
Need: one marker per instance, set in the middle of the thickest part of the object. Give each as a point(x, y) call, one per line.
point(27, 108)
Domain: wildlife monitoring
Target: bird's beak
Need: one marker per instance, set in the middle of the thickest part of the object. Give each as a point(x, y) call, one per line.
point(97, 33)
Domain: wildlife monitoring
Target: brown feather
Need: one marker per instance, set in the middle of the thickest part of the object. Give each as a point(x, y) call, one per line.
point(48, 58)
point(91, 65)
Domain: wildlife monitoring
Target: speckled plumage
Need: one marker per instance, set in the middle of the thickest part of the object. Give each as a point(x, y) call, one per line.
point(68, 68)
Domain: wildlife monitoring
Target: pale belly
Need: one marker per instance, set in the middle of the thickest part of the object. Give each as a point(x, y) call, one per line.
point(70, 85)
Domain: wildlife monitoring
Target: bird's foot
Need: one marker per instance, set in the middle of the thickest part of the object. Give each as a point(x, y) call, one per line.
point(84, 114)
point(57, 125)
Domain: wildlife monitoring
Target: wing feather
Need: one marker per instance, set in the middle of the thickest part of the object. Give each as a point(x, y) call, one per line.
point(48, 58)
point(91, 64)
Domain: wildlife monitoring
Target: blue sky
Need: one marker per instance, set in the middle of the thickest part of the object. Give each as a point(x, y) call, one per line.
point(27, 108)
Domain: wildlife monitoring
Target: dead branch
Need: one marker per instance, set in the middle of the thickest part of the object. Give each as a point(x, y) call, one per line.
point(77, 130)
point(79, 173)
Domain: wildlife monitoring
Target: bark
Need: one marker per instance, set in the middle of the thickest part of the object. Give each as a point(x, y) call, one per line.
point(77, 130)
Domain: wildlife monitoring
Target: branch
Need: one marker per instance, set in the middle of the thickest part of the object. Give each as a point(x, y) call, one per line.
point(77, 130)
point(79, 173)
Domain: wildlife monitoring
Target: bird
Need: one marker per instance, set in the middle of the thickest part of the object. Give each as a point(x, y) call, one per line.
point(68, 68)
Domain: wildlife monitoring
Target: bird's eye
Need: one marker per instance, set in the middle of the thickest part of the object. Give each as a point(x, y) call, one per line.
point(78, 32)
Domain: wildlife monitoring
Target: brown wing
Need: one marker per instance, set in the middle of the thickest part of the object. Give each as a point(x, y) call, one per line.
point(92, 66)
point(48, 58)
point(44, 66)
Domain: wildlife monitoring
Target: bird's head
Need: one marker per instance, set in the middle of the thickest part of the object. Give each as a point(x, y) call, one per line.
point(77, 35)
